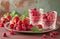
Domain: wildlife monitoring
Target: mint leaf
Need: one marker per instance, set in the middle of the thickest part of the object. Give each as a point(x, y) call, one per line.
point(35, 28)
point(13, 13)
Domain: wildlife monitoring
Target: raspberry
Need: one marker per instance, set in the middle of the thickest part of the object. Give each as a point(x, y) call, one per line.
point(16, 18)
point(15, 27)
point(44, 16)
point(49, 18)
point(18, 28)
point(11, 32)
point(51, 35)
point(38, 13)
point(25, 21)
point(30, 26)
point(34, 8)
point(11, 26)
point(40, 26)
point(47, 13)
point(1, 24)
point(3, 20)
point(44, 36)
point(12, 22)
point(8, 17)
point(4, 35)
point(55, 32)
point(53, 14)
point(24, 27)
point(19, 22)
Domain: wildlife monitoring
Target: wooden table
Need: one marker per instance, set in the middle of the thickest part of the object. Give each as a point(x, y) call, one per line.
point(27, 36)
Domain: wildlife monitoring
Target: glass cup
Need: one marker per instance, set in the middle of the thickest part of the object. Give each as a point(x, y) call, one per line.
point(51, 22)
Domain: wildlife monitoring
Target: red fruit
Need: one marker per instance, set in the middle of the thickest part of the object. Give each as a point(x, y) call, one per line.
point(53, 14)
point(47, 13)
point(19, 22)
point(29, 27)
point(25, 21)
point(24, 27)
point(40, 26)
point(51, 35)
point(4, 35)
point(49, 18)
point(8, 17)
point(35, 19)
point(16, 18)
point(44, 36)
point(55, 32)
point(1, 24)
point(3, 20)
point(18, 28)
point(11, 32)
point(38, 14)
point(44, 16)
point(12, 22)
point(11, 26)
point(34, 8)
point(15, 26)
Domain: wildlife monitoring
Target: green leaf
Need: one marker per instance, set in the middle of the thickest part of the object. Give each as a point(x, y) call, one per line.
point(13, 13)
point(35, 28)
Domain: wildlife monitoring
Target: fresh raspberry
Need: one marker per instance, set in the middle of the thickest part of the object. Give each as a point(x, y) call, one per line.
point(25, 21)
point(11, 32)
point(11, 26)
point(4, 35)
point(16, 18)
point(44, 36)
point(49, 18)
point(24, 27)
point(40, 26)
point(1, 24)
point(15, 26)
point(55, 32)
point(44, 16)
point(51, 35)
point(35, 19)
point(18, 28)
point(38, 13)
point(47, 13)
point(53, 14)
point(12, 22)
point(29, 27)
point(34, 8)
point(8, 17)
point(19, 22)
point(3, 20)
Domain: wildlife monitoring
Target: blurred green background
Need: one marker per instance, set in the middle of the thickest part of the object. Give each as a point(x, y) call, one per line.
point(22, 5)
point(50, 5)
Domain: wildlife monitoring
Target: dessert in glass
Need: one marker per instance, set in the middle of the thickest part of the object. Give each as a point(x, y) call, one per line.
point(49, 20)
point(46, 19)
point(34, 16)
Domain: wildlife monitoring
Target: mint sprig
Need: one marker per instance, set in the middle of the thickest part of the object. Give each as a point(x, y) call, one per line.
point(35, 28)
point(13, 13)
